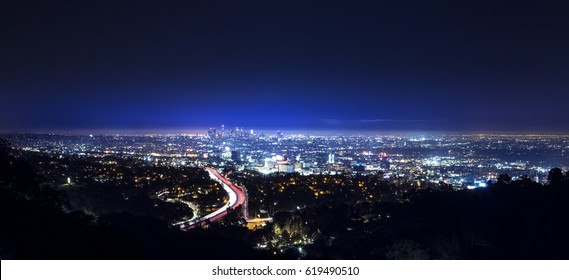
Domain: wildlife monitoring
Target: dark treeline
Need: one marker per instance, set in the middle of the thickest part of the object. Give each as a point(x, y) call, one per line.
point(516, 220)
point(510, 219)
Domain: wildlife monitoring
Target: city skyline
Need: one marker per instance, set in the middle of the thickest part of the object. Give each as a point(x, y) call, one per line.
point(483, 153)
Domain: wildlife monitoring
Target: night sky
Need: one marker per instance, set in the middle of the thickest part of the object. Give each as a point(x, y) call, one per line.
point(292, 65)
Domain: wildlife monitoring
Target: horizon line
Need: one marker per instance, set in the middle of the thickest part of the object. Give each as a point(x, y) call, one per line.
point(203, 131)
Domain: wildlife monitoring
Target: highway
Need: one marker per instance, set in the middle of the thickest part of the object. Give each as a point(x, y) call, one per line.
point(237, 196)
point(243, 198)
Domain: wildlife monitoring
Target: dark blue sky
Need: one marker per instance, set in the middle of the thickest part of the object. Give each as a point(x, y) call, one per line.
point(329, 65)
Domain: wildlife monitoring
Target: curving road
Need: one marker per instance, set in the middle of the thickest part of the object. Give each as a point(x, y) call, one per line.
point(237, 196)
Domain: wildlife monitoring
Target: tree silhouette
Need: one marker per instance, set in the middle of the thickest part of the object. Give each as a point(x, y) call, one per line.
point(555, 176)
point(504, 179)
point(405, 250)
point(4, 158)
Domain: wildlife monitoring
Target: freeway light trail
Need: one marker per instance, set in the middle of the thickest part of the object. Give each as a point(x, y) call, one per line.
point(237, 196)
